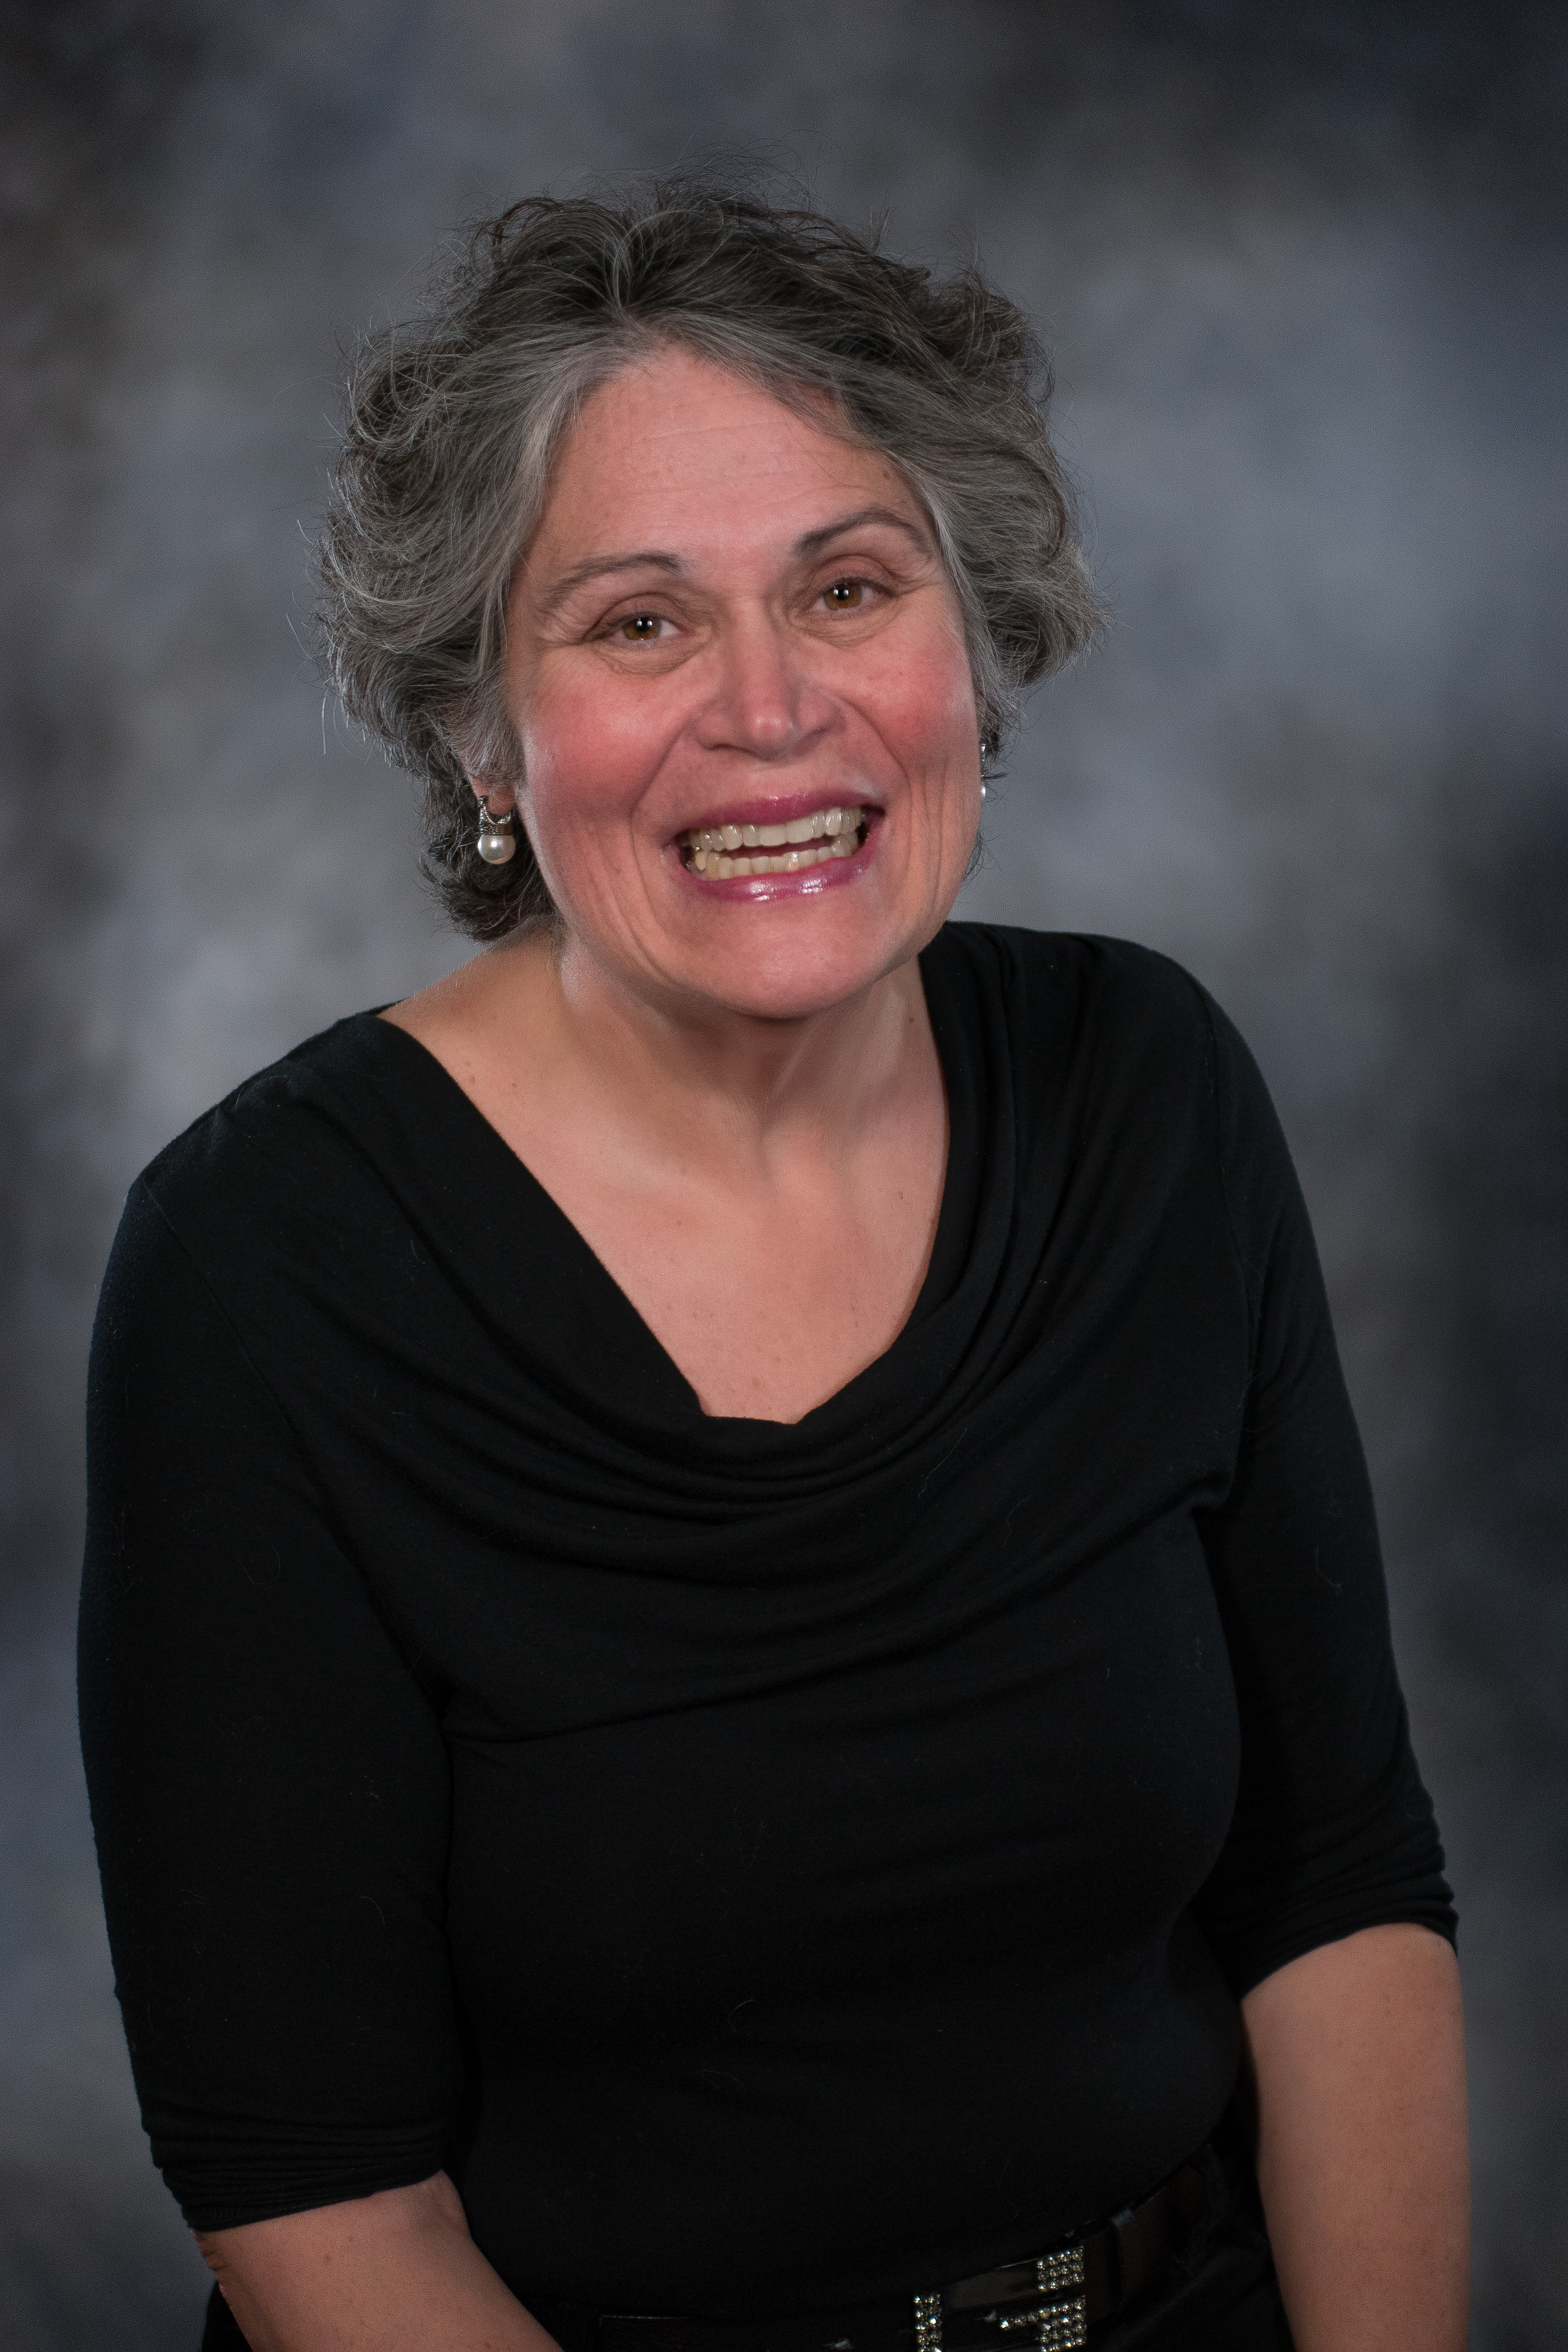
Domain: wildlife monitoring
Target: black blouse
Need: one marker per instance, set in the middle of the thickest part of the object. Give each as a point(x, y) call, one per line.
point(767, 1866)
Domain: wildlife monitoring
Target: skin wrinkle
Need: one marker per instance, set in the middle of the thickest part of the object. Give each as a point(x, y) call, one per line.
point(549, 600)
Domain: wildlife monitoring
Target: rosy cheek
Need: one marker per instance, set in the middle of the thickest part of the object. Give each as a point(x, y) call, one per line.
point(927, 707)
point(583, 757)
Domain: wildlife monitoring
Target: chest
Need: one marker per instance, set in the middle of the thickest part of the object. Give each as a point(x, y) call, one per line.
point(1055, 1778)
point(770, 1302)
point(771, 1227)
point(770, 1280)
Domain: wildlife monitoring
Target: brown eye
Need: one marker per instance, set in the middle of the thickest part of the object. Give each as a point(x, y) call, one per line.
point(846, 594)
point(641, 629)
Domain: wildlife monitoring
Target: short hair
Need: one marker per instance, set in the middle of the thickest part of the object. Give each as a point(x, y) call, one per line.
point(454, 421)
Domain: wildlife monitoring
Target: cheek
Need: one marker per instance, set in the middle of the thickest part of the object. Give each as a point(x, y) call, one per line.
point(925, 711)
point(587, 756)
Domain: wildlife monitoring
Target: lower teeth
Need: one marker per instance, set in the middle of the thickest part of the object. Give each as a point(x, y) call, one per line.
point(718, 867)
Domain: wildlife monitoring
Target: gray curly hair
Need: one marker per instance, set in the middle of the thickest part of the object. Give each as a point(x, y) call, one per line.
point(454, 422)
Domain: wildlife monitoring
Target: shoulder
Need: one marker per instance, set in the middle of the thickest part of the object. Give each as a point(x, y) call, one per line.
point(1095, 994)
point(303, 1146)
point(1117, 1039)
point(1117, 972)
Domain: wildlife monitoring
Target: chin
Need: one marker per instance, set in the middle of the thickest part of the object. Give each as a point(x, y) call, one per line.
point(787, 977)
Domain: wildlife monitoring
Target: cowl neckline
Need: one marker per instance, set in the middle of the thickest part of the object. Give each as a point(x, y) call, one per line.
point(535, 1279)
point(441, 1322)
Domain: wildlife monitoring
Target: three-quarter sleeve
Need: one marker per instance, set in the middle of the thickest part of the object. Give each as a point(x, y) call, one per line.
point(1333, 1830)
point(268, 1782)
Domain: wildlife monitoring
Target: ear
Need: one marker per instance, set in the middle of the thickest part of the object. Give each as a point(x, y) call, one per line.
point(495, 800)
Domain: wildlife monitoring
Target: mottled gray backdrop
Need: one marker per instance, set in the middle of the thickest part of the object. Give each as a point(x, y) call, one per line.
point(1303, 271)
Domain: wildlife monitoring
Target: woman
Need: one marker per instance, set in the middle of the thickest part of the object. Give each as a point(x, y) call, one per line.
point(733, 1661)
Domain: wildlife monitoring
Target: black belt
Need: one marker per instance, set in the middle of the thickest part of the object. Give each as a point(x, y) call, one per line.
point(1046, 2304)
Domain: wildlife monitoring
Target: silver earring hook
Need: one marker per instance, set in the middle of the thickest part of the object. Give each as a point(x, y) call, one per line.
point(496, 842)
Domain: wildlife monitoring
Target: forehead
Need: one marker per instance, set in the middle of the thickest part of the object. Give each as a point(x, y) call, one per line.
point(675, 449)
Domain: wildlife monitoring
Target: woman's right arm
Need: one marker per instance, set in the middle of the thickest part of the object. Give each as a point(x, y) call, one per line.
point(396, 2271)
point(271, 1799)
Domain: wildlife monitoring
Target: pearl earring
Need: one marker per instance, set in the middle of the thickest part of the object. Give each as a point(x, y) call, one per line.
point(497, 842)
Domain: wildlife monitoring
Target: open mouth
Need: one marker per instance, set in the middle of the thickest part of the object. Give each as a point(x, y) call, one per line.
point(724, 853)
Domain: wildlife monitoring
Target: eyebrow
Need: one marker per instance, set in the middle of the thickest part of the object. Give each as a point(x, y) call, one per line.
point(811, 542)
point(601, 567)
point(815, 541)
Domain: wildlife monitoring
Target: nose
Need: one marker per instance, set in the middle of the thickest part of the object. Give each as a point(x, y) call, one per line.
point(765, 701)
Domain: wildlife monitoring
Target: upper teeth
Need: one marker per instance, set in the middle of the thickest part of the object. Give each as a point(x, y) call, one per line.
point(714, 847)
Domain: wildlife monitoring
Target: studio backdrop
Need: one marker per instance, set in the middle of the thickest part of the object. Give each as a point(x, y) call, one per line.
point(1302, 272)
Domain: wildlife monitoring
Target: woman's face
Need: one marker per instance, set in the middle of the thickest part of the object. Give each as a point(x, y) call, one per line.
point(731, 640)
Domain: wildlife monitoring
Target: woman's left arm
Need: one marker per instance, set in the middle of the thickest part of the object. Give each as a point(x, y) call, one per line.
point(1327, 1908)
point(1357, 2056)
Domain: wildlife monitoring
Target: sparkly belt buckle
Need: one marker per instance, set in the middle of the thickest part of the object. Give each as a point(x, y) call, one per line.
point(1059, 2319)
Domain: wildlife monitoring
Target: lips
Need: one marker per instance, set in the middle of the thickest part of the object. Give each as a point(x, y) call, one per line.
point(821, 836)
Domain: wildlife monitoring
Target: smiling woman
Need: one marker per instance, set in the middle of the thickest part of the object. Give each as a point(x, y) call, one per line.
point(761, 638)
point(734, 1675)
point(785, 644)
point(453, 430)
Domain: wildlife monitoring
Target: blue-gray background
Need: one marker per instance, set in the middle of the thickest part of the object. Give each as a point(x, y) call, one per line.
point(1302, 270)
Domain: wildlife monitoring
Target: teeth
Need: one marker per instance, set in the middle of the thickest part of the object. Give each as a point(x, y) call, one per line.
point(804, 841)
point(799, 830)
point(719, 868)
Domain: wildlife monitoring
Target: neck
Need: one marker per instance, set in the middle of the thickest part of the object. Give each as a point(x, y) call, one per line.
point(703, 1078)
